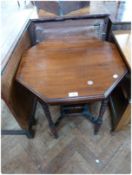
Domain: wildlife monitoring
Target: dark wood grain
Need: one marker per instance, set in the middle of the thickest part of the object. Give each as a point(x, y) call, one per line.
point(18, 99)
point(53, 69)
point(60, 27)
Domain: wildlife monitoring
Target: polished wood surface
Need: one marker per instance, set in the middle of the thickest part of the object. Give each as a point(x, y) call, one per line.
point(123, 40)
point(55, 68)
point(125, 119)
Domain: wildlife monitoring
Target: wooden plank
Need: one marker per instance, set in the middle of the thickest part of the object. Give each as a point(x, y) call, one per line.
point(125, 119)
point(18, 99)
point(123, 40)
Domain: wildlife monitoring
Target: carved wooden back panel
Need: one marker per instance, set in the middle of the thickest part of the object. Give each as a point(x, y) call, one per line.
point(87, 27)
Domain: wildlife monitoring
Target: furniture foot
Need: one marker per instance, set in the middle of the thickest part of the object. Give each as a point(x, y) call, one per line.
point(32, 120)
point(58, 120)
point(88, 114)
point(30, 133)
point(61, 116)
point(99, 120)
point(48, 116)
point(54, 131)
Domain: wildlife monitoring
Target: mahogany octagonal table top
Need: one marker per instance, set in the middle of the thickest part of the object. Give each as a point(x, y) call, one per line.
point(71, 70)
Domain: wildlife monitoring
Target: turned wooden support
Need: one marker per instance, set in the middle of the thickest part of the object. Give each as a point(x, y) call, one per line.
point(49, 118)
point(99, 120)
point(32, 121)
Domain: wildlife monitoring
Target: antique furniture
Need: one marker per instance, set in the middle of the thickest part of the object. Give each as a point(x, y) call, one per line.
point(19, 100)
point(71, 70)
point(123, 41)
point(91, 26)
point(121, 97)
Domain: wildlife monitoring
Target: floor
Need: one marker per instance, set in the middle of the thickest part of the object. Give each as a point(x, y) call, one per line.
point(76, 151)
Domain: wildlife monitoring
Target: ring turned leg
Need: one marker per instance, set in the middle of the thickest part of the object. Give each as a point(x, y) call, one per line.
point(32, 120)
point(50, 122)
point(30, 133)
point(99, 120)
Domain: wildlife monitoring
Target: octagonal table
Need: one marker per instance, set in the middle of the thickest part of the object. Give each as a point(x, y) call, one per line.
point(71, 71)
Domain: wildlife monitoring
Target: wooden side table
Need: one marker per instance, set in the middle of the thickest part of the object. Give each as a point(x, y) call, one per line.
point(72, 71)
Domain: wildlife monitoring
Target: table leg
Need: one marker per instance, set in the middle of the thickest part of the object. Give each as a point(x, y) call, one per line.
point(60, 117)
point(99, 120)
point(49, 118)
point(32, 120)
point(30, 133)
